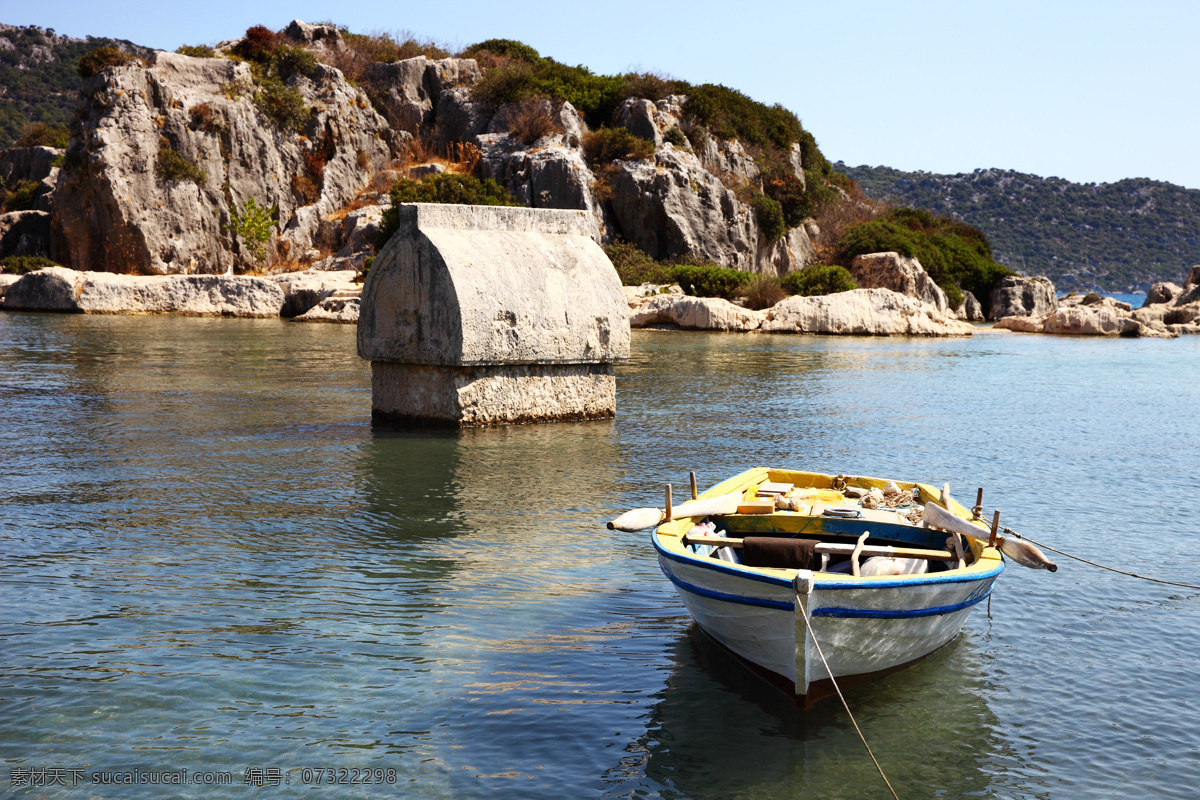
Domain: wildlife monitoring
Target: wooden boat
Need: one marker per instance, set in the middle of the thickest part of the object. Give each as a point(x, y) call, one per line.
point(773, 563)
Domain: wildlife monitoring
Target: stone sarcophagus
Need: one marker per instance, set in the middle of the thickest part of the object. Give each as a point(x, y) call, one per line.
point(481, 315)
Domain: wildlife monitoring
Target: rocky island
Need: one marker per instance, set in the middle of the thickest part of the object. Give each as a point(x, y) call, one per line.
point(261, 177)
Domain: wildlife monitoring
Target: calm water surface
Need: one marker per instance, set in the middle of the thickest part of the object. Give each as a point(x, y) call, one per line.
point(209, 560)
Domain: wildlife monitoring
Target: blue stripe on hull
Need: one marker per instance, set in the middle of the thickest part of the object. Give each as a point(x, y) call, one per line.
point(845, 613)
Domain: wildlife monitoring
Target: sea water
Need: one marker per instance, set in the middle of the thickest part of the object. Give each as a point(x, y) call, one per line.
point(212, 565)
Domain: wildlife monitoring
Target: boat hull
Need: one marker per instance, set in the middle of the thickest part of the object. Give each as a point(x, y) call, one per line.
point(866, 628)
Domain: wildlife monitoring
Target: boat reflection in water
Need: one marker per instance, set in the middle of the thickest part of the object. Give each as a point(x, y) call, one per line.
point(718, 730)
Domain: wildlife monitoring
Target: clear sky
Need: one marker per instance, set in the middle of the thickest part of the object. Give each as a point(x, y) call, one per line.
point(1088, 91)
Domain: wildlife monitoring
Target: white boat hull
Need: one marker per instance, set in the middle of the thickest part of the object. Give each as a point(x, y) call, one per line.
point(866, 628)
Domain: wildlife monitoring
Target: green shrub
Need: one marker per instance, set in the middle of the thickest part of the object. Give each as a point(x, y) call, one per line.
point(196, 51)
point(956, 255)
point(676, 137)
point(818, 279)
point(20, 197)
point(709, 280)
point(282, 104)
point(19, 265)
point(254, 224)
point(634, 267)
point(795, 203)
point(505, 48)
point(729, 114)
point(291, 60)
point(606, 145)
point(39, 134)
point(762, 291)
point(102, 58)
point(445, 187)
point(769, 214)
point(171, 166)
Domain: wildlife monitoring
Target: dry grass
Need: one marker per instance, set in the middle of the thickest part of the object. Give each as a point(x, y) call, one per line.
point(530, 120)
point(363, 50)
point(762, 291)
point(834, 218)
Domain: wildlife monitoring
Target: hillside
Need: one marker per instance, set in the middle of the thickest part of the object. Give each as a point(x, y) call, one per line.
point(1115, 237)
point(38, 77)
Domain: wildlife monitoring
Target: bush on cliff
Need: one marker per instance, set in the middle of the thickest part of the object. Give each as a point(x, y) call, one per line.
point(956, 255)
point(255, 224)
point(446, 187)
point(818, 279)
point(605, 145)
point(171, 166)
point(196, 51)
point(768, 213)
point(39, 134)
point(282, 104)
point(102, 58)
point(19, 265)
point(20, 197)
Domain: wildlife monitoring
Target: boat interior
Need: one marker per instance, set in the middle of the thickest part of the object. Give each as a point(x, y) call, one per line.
point(859, 526)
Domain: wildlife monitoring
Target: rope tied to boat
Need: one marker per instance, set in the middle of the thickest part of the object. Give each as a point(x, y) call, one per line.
point(845, 705)
point(1011, 532)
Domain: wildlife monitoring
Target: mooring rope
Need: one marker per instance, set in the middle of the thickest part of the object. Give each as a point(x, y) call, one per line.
point(808, 625)
point(1011, 532)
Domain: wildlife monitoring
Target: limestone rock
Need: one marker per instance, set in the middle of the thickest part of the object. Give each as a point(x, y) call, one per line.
point(693, 313)
point(5, 282)
point(901, 274)
point(1020, 324)
point(1096, 319)
point(325, 37)
point(113, 213)
point(344, 310)
point(35, 164)
point(66, 290)
point(24, 233)
point(970, 309)
point(1017, 296)
point(305, 290)
point(553, 175)
point(407, 101)
point(637, 116)
point(861, 312)
point(1161, 293)
point(673, 206)
point(459, 118)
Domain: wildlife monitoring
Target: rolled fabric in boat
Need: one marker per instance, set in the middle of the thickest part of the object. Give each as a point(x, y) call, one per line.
point(767, 551)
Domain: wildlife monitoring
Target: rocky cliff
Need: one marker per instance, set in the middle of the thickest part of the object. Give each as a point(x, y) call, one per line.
point(170, 154)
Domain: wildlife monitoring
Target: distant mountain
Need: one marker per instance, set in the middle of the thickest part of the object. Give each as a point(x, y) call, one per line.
point(38, 78)
point(1115, 237)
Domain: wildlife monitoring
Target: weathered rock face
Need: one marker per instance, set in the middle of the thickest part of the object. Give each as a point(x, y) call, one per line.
point(1081, 320)
point(1161, 293)
point(113, 213)
point(37, 164)
point(305, 290)
point(530, 338)
point(693, 313)
point(862, 312)
point(900, 274)
point(66, 290)
point(24, 233)
point(1016, 296)
point(970, 310)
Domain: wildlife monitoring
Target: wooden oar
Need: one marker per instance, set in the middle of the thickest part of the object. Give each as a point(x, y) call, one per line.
point(835, 549)
point(1023, 553)
point(641, 518)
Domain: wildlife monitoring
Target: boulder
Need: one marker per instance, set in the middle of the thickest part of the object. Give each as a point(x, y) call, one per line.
point(672, 206)
point(114, 213)
point(636, 115)
point(901, 274)
point(693, 313)
point(970, 309)
point(552, 175)
point(67, 290)
point(405, 94)
point(5, 282)
point(531, 338)
point(344, 310)
point(1017, 296)
point(1095, 319)
point(37, 164)
point(1161, 293)
point(24, 233)
point(305, 290)
point(459, 118)
point(326, 37)
point(861, 312)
